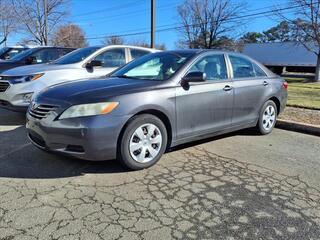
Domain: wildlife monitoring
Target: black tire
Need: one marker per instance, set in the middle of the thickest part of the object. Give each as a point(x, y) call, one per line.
point(260, 128)
point(124, 155)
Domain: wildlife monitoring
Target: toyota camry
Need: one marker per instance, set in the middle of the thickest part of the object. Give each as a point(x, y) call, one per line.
point(156, 102)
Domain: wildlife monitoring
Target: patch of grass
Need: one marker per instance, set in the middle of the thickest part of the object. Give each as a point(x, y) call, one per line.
point(302, 94)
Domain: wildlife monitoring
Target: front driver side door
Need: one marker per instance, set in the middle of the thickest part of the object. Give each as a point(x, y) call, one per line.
point(111, 59)
point(205, 107)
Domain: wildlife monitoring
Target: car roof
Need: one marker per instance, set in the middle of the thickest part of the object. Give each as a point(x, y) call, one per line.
point(127, 46)
point(40, 47)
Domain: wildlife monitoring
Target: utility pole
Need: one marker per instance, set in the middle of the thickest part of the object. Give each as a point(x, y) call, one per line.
point(153, 23)
point(45, 5)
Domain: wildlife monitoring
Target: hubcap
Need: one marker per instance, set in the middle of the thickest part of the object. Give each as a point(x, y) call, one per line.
point(269, 118)
point(145, 143)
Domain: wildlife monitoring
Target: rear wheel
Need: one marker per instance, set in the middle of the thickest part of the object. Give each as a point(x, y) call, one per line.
point(267, 118)
point(143, 142)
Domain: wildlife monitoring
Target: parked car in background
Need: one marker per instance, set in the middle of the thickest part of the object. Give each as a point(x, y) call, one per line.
point(7, 53)
point(90, 62)
point(35, 55)
point(155, 102)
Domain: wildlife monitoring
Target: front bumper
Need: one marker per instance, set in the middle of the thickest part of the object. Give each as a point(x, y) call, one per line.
point(89, 138)
point(12, 99)
point(7, 105)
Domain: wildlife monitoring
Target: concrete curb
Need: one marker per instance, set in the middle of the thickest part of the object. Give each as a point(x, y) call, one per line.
point(298, 127)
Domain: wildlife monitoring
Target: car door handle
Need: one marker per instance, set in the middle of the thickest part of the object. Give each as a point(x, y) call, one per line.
point(265, 83)
point(227, 88)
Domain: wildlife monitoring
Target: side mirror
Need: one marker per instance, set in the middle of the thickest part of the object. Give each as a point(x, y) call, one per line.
point(94, 63)
point(194, 77)
point(31, 60)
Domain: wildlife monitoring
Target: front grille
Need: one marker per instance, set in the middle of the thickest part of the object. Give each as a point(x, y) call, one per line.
point(8, 78)
point(41, 111)
point(4, 86)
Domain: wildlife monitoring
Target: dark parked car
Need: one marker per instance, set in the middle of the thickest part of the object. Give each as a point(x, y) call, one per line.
point(9, 52)
point(34, 56)
point(157, 101)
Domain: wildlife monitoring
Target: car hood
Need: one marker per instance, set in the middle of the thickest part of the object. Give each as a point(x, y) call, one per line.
point(37, 68)
point(7, 64)
point(89, 91)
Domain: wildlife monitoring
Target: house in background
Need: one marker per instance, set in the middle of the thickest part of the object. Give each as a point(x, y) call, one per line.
point(282, 57)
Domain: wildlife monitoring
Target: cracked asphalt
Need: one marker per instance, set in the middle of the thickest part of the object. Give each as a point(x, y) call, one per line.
point(237, 186)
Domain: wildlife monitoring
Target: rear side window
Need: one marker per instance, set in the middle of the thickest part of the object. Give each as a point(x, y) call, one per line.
point(112, 58)
point(258, 71)
point(242, 67)
point(214, 66)
point(64, 51)
point(45, 55)
point(136, 53)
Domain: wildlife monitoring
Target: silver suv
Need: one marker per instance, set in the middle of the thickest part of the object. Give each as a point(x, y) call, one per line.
point(19, 85)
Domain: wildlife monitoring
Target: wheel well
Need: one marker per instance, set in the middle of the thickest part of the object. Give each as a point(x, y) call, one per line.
point(163, 117)
point(277, 102)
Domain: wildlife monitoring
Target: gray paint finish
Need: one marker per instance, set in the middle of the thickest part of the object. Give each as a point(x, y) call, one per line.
point(205, 109)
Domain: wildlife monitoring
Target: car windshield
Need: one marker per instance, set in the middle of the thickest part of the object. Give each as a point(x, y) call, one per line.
point(76, 56)
point(157, 66)
point(24, 54)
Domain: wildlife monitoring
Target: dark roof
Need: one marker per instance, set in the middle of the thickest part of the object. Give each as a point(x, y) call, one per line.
point(281, 54)
point(181, 51)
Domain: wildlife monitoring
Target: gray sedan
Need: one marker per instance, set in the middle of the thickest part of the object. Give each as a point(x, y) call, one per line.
point(155, 102)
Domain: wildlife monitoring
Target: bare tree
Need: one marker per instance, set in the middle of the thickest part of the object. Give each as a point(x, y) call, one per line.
point(69, 36)
point(116, 40)
point(144, 43)
point(40, 18)
point(8, 20)
point(204, 22)
point(306, 23)
point(113, 40)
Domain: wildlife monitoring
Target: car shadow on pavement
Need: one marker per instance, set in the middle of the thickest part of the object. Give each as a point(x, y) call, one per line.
point(9, 118)
point(20, 159)
point(244, 132)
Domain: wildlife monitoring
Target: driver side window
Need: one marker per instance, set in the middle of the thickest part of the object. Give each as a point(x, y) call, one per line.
point(112, 58)
point(45, 55)
point(214, 66)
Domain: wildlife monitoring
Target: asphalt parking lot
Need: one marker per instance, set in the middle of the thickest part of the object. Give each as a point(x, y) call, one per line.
point(238, 186)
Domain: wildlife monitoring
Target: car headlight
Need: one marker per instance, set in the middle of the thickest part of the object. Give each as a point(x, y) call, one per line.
point(91, 109)
point(27, 78)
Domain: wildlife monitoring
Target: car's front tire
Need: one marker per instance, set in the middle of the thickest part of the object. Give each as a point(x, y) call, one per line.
point(143, 142)
point(267, 118)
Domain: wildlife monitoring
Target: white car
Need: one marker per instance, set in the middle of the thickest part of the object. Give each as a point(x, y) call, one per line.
point(18, 85)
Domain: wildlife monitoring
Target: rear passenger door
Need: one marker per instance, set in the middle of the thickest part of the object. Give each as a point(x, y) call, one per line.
point(250, 84)
point(136, 53)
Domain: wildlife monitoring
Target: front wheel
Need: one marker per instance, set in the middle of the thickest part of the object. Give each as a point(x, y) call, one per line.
point(267, 118)
point(143, 142)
